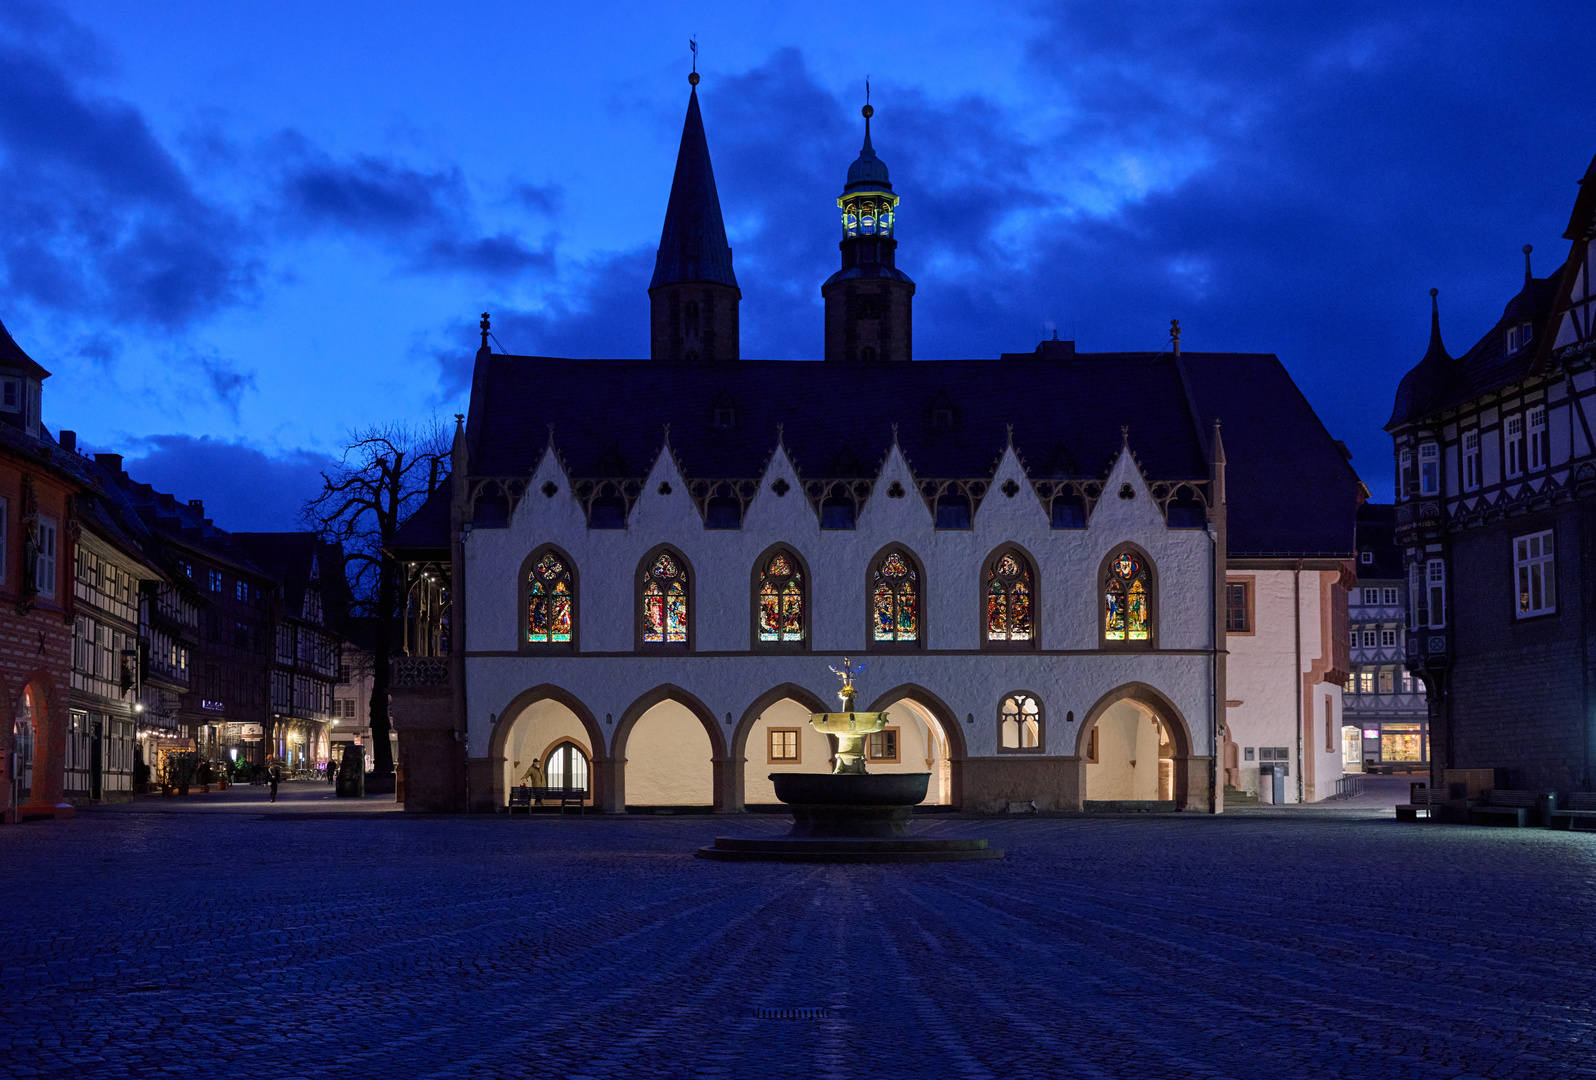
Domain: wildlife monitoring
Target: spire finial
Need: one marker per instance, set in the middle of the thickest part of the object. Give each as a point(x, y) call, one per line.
point(692, 79)
point(867, 112)
point(485, 324)
point(1528, 277)
point(1174, 336)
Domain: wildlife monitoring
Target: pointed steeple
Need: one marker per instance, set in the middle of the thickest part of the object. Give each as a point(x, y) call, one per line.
point(692, 245)
point(1432, 382)
point(1436, 353)
point(693, 297)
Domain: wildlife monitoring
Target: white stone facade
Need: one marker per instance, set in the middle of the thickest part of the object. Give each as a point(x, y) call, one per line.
point(951, 682)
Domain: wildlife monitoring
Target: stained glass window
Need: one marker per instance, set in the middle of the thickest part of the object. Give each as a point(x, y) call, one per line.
point(781, 599)
point(665, 601)
point(548, 601)
point(895, 609)
point(1021, 727)
point(1008, 599)
point(1126, 599)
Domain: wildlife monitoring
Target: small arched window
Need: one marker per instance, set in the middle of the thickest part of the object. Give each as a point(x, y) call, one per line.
point(894, 599)
point(1020, 724)
point(550, 601)
point(780, 603)
point(1009, 595)
point(665, 600)
point(1127, 598)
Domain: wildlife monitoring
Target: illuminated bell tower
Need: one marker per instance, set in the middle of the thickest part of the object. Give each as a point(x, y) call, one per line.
point(868, 300)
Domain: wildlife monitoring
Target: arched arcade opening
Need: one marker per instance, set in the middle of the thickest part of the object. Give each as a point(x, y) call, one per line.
point(1134, 748)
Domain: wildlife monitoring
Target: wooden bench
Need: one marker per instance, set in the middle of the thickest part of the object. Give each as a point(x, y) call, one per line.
point(1502, 805)
point(1580, 807)
point(1422, 800)
point(523, 797)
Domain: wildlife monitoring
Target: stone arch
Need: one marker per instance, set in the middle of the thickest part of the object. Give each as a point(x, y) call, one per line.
point(946, 719)
point(1152, 700)
point(520, 595)
point(806, 590)
point(512, 712)
point(736, 792)
point(1154, 597)
point(987, 564)
point(49, 746)
point(720, 760)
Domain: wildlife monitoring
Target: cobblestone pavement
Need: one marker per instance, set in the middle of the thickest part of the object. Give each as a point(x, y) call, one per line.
point(290, 942)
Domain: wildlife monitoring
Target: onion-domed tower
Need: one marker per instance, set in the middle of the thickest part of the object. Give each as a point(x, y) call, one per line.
point(868, 300)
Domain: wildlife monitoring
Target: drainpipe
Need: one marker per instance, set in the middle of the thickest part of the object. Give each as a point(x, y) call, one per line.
point(1296, 627)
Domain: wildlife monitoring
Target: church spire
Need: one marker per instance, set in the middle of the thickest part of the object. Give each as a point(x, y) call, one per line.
point(868, 300)
point(693, 296)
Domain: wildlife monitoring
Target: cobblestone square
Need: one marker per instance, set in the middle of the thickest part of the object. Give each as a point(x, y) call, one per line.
point(318, 938)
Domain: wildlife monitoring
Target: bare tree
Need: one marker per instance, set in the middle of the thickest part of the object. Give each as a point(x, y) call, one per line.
point(384, 476)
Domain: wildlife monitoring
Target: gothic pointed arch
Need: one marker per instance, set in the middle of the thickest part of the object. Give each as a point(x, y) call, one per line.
point(946, 720)
point(665, 609)
point(662, 693)
point(803, 696)
point(548, 608)
point(895, 600)
point(1009, 589)
point(780, 589)
point(511, 713)
point(1156, 704)
point(1127, 599)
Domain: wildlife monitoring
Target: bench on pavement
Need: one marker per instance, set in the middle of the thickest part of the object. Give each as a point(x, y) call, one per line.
point(1580, 811)
point(523, 797)
point(1505, 806)
point(1422, 800)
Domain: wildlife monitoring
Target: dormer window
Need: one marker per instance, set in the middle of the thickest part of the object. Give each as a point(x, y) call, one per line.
point(11, 395)
point(1519, 336)
point(725, 416)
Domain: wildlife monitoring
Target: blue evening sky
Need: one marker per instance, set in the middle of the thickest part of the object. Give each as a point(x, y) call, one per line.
point(236, 231)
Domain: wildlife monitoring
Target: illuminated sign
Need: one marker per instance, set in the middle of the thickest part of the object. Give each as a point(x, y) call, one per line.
point(1371, 733)
point(251, 733)
point(213, 706)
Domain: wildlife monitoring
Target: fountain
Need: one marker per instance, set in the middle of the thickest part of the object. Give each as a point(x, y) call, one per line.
point(849, 814)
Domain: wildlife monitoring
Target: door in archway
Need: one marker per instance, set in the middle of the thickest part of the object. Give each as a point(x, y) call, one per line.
point(543, 726)
point(567, 770)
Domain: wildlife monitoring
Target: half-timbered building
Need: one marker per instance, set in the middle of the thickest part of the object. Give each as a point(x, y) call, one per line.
point(1496, 507)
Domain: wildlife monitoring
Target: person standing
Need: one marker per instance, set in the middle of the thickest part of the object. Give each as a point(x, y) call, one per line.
point(272, 778)
point(332, 772)
point(533, 777)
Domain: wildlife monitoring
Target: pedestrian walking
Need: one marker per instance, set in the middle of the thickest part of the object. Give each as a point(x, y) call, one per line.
point(272, 778)
point(332, 772)
point(533, 777)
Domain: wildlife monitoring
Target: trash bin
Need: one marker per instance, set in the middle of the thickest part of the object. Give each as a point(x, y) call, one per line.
point(352, 773)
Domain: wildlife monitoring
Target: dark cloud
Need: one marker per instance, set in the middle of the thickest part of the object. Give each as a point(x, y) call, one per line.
point(225, 380)
point(1288, 180)
point(245, 489)
point(94, 212)
point(430, 217)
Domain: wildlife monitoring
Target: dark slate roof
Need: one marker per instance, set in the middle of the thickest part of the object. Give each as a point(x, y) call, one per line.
point(288, 558)
point(692, 245)
point(1377, 534)
point(1439, 382)
point(426, 532)
point(1291, 490)
point(12, 356)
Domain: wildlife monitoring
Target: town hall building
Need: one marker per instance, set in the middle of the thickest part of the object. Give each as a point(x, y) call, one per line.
point(640, 571)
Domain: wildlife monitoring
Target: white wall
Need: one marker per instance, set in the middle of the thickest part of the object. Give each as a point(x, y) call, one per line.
point(1264, 672)
point(1069, 676)
point(668, 759)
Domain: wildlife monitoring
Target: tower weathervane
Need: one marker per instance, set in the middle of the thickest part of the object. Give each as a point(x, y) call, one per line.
point(692, 43)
